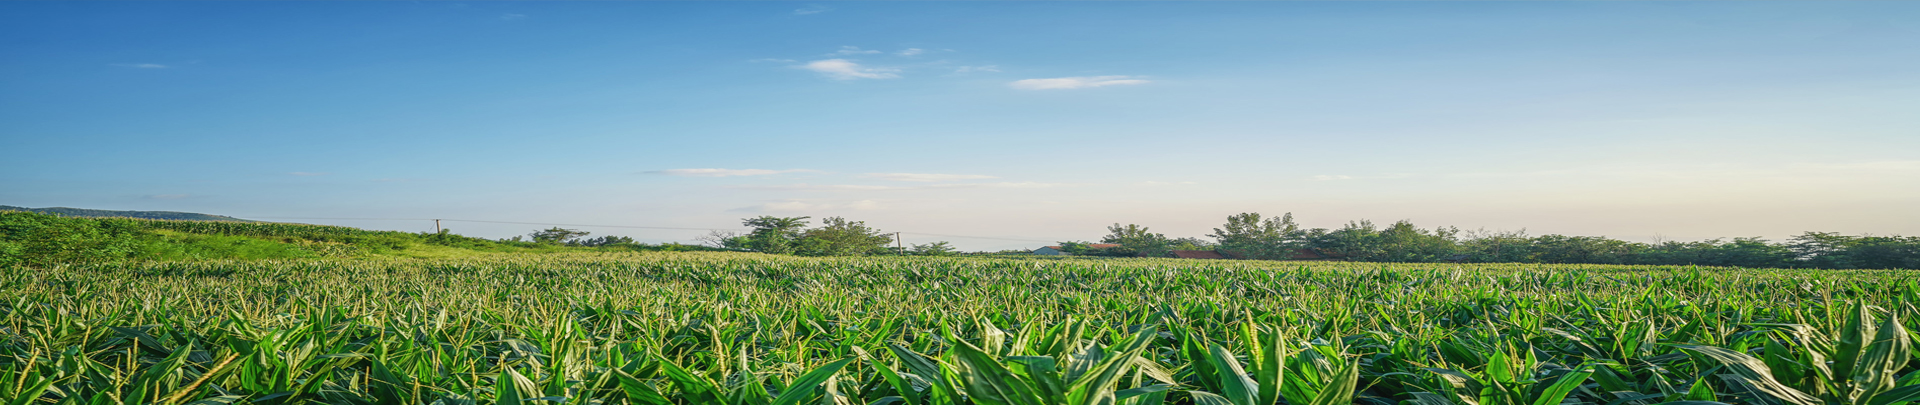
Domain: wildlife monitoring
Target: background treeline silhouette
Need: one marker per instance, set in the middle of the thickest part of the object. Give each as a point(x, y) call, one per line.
point(1253, 236)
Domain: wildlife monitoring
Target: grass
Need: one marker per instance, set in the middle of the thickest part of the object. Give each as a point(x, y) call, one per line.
point(735, 328)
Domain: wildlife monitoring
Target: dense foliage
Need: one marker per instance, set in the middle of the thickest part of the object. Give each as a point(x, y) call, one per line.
point(1250, 236)
point(741, 328)
point(836, 236)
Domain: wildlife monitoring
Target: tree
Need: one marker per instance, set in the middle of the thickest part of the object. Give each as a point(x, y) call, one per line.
point(839, 237)
point(1191, 243)
point(604, 241)
point(719, 239)
point(557, 235)
point(1136, 240)
point(1403, 242)
point(1248, 236)
point(777, 235)
point(941, 248)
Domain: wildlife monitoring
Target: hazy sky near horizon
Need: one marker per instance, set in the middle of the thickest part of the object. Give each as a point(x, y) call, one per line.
point(1041, 121)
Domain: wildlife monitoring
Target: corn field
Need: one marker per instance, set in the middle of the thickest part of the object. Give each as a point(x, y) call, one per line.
point(735, 328)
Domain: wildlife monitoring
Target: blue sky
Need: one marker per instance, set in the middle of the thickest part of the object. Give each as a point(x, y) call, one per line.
point(1040, 121)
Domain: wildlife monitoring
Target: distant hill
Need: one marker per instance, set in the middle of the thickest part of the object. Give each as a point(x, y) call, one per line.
point(82, 212)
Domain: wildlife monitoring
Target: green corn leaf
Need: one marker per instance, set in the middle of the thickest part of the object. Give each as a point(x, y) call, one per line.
point(222, 400)
point(1138, 391)
point(696, 387)
point(803, 387)
point(900, 384)
point(1045, 377)
point(1206, 398)
point(639, 392)
point(1428, 398)
point(511, 388)
point(1882, 359)
point(1852, 341)
point(1700, 391)
point(928, 369)
point(1097, 386)
point(988, 382)
point(1565, 385)
point(1340, 390)
point(1909, 393)
point(1234, 384)
point(1753, 372)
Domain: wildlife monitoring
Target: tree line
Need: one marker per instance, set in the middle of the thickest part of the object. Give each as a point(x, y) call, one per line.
point(836, 236)
point(1258, 237)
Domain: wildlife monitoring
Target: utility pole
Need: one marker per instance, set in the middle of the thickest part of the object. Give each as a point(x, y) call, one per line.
point(436, 226)
point(897, 247)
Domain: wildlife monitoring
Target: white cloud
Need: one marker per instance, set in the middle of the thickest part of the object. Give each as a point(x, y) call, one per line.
point(309, 173)
point(853, 50)
point(142, 65)
point(811, 9)
point(924, 176)
point(1325, 177)
point(971, 69)
point(1075, 82)
point(911, 52)
point(842, 69)
point(512, 16)
point(723, 172)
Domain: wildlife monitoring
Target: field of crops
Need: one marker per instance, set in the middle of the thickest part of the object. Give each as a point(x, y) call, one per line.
point(736, 328)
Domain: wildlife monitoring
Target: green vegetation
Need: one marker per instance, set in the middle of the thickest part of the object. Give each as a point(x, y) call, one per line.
point(836, 236)
point(166, 215)
point(42, 240)
point(1250, 236)
point(744, 328)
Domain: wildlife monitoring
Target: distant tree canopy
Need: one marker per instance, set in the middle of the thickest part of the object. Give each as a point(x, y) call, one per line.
point(836, 236)
point(557, 235)
point(1254, 236)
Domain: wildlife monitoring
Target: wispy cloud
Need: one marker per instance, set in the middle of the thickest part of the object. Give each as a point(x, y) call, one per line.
point(1060, 83)
point(168, 196)
point(842, 69)
point(1326, 177)
point(853, 50)
point(512, 16)
point(811, 9)
point(303, 174)
point(971, 69)
point(142, 65)
point(924, 177)
point(723, 172)
point(910, 52)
